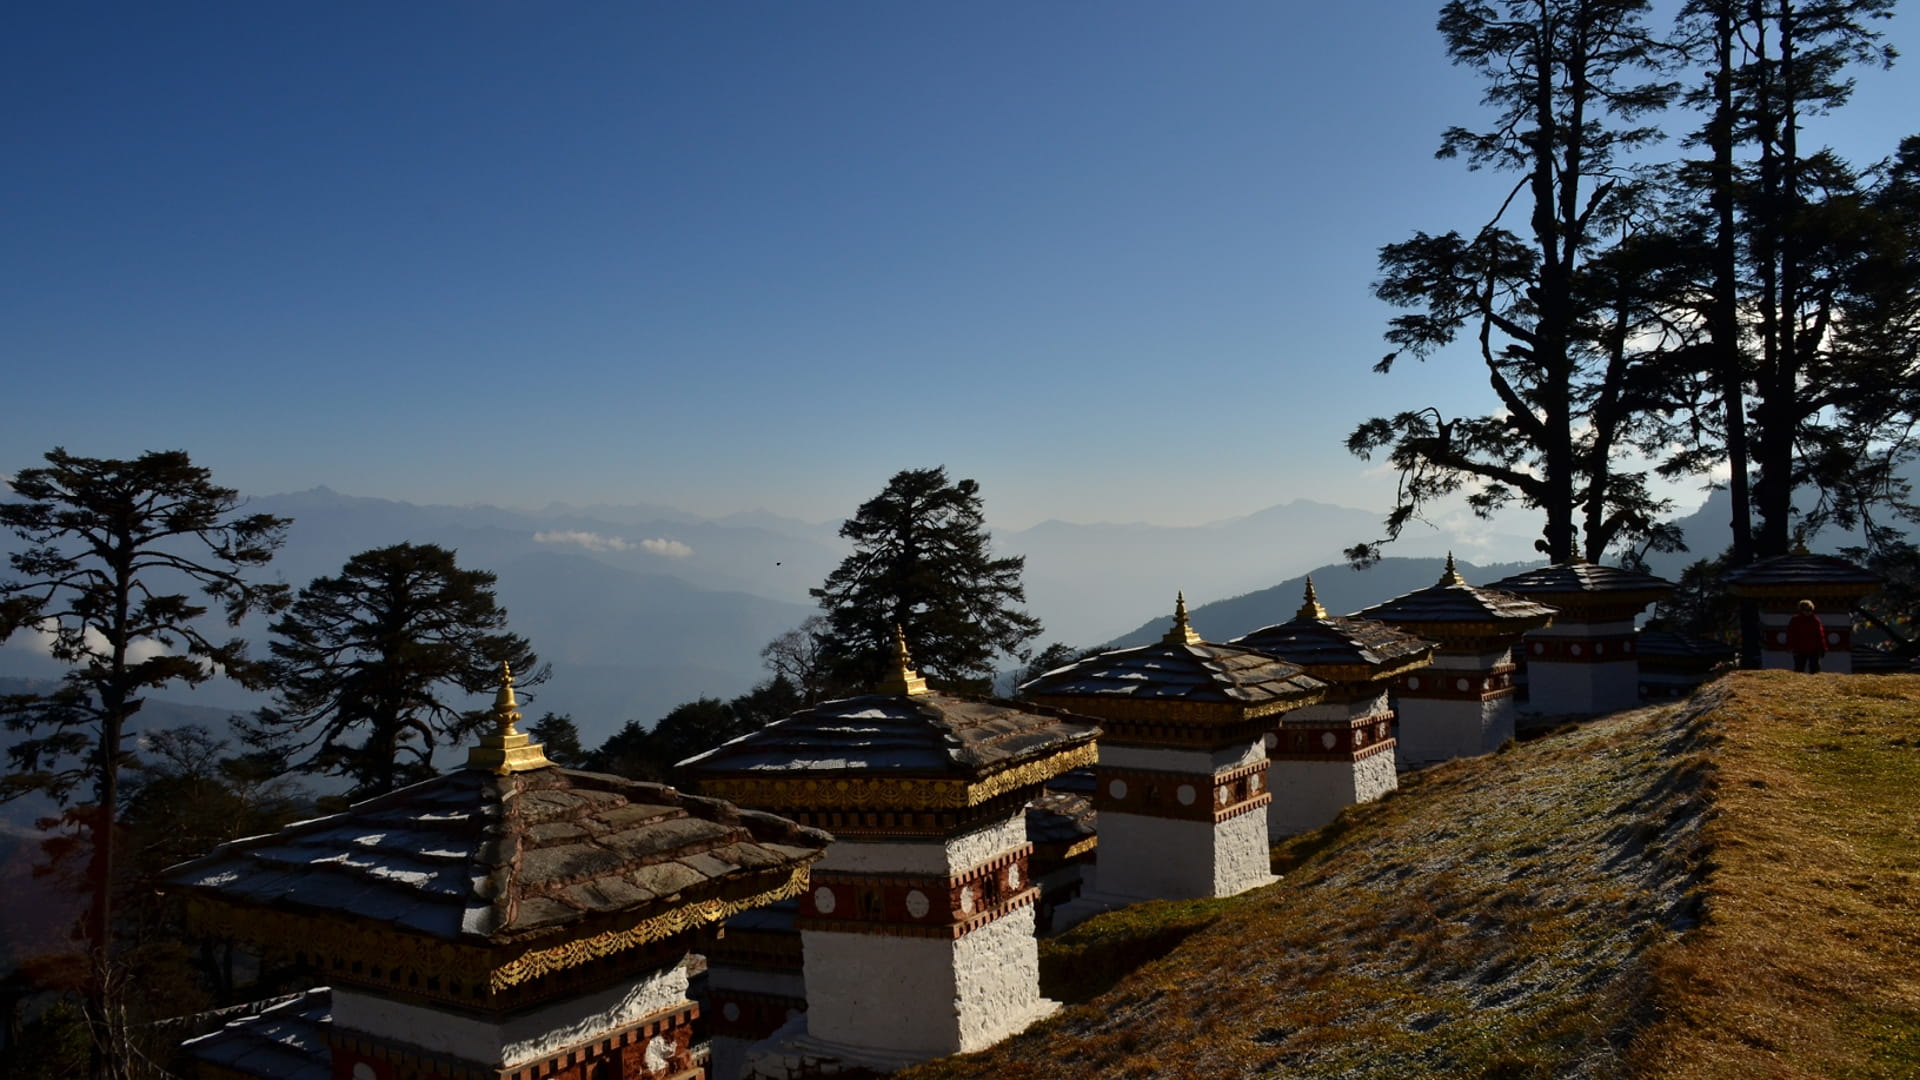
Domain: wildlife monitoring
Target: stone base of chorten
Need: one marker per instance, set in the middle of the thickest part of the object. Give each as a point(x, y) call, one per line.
point(1575, 688)
point(1149, 858)
point(1309, 794)
point(1432, 731)
point(792, 1053)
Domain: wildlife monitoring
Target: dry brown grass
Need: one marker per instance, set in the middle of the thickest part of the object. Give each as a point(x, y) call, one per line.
point(1727, 888)
point(1489, 920)
point(1808, 963)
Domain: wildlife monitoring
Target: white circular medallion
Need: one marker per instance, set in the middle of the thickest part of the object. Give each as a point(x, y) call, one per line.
point(1013, 877)
point(1462, 684)
point(967, 900)
point(1328, 739)
point(364, 1071)
point(658, 1055)
point(1253, 783)
point(823, 900)
point(1573, 649)
point(1413, 682)
point(1185, 795)
point(1270, 739)
point(917, 905)
point(731, 1010)
point(1833, 637)
point(1539, 648)
point(1117, 789)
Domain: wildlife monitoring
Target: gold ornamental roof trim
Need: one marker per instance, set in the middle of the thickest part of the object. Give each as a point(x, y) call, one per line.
point(507, 750)
point(1182, 632)
point(900, 678)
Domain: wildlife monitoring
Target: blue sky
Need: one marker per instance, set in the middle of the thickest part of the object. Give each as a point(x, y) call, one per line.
point(1109, 259)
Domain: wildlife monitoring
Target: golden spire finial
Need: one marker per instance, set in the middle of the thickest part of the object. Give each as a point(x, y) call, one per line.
point(506, 750)
point(1310, 608)
point(506, 708)
point(902, 679)
point(1451, 576)
point(1181, 633)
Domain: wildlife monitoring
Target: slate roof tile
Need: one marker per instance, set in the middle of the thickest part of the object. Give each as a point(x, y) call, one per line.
point(1338, 640)
point(1787, 570)
point(450, 857)
point(929, 735)
point(1180, 671)
point(1581, 579)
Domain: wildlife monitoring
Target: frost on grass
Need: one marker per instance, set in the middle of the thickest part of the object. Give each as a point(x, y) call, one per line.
point(1493, 918)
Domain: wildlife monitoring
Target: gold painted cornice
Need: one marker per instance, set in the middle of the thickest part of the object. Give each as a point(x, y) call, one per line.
point(466, 972)
point(507, 750)
point(866, 792)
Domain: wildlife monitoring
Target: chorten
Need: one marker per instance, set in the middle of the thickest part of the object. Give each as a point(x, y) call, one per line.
point(1463, 704)
point(1835, 586)
point(511, 919)
point(917, 934)
point(1340, 751)
point(1588, 659)
point(1181, 789)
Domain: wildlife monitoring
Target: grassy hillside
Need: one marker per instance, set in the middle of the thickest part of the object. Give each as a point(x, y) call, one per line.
point(1718, 889)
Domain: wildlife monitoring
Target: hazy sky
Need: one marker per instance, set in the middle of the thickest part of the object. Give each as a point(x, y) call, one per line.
point(1111, 259)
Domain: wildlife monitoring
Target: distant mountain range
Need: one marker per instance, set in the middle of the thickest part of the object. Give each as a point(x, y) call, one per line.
point(640, 608)
point(1342, 590)
point(1088, 582)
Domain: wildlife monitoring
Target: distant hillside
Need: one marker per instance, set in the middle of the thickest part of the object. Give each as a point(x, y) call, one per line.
point(157, 714)
point(1342, 591)
point(1713, 890)
point(1086, 582)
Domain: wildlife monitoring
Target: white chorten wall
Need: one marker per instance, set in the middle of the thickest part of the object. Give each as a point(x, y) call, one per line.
point(1180, 824)
point(1327, 757)
point(1461, 706)
point(730, 985)
point(1582, 667)
point(518, 1039)
point(1774, 653)
point(914, 950)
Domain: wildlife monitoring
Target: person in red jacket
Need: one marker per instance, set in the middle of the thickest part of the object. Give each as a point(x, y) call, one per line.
point(1806, 639)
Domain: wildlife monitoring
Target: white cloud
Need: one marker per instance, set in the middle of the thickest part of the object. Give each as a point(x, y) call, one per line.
point(672, 549)
point(591, 541)
point(40, 641)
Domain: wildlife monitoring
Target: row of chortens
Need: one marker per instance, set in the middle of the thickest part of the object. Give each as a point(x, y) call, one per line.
point(862, 882)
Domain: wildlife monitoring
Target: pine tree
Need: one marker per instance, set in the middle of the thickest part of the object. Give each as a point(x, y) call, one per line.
point(922, 561)
point(368, 663)
point(1570, 82)
point(115, 551)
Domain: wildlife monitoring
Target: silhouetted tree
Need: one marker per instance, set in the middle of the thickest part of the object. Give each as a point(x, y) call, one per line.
point(560, 739)
point(115, 551)
point(690, 729)
point(795, 657)
point(1570, 82)
point(922, 562)
point(368, 663)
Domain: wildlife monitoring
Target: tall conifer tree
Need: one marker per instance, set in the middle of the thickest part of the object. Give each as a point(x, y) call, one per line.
point(923, 561)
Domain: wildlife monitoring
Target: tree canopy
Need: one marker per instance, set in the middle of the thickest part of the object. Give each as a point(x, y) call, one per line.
point(1570, 83)
point(116, 552)
point(370, 664)
point(922, 561)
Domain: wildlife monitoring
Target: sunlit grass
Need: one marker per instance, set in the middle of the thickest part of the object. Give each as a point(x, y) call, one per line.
point(1724, 888)
point(1809, 960)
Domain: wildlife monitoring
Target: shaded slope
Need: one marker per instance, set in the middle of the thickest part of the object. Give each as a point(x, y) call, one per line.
point(1808, 963)
point(1494, 918)
point(1725, 888)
